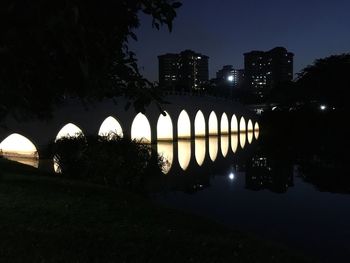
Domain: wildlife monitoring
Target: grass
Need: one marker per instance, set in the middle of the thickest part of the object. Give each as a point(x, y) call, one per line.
point(48, 219)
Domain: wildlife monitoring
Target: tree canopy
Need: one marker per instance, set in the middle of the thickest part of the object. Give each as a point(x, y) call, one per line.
point(50, 50)
point(327, 80)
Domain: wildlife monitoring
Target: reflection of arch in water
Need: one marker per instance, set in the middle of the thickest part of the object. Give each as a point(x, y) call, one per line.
point(110, 127)
point(234, 124)
point(256, 130)
point(213, 147)
point(234, 142)
point(199, 124)
point(183, 126)
point(164, 128)
point(166, 151)
point(250, 136)
point(250, 126)
point(69, 130)
point(213, 124)
point(242, 139)
point(184, 153)
point(242, 125)
point(141, 129)
point(18, 148)
point(224, 144)
point(199, 148)
point(250, 131)
point(224, 124)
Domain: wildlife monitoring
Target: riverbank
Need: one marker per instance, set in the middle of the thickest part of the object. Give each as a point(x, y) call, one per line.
point(47, 219)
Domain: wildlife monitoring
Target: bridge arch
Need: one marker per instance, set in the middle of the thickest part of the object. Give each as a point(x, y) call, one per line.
point(183, 126)
point(16, 145)
point(242, 132)
point(69, 130)
point(109, 127)
point(256, 130)
point(234, 124)
point(165, 128)
point(224, 129)
point(141, 129)
point(213, 124)
point(199, 125)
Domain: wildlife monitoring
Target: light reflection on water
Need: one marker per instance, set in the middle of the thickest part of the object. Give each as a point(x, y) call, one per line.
point(242, 139)
point(184, 153)
point(200, 150)
point(234, 142)
point(197, 149)
point(213, 147)
point(224, 143)
point(250, 137)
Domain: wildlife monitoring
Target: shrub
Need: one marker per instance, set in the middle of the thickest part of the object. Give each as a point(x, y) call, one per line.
point(110, 160)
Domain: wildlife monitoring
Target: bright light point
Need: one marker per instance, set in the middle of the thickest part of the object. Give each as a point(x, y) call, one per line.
point(231, 176)
point(323, 107)
point(230, 78)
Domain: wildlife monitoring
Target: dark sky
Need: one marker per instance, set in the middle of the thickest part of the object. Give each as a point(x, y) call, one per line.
point(225, 29)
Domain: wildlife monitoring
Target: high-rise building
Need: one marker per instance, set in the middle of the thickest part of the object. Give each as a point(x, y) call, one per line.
point(228, 76)
point(187, 71)
point(168, 70)
point(265, 70)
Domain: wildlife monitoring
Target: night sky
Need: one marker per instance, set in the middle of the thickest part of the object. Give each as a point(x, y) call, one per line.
point(225, 29)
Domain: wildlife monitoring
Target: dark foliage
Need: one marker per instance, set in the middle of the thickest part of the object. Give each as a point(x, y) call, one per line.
point(53, 49)
point(326, 80)
point(110, 160)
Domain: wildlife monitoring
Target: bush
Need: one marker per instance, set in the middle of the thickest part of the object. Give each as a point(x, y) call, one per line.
point(110, 160)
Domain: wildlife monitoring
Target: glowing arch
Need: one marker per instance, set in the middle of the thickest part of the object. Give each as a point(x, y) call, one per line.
point(213, 147)
point(110, 127)
point(234, 124)
point(250, 126)
point(184, 153)
point(234, 142)
point(213, 124)
point(166, 151)
point(164, 128)
point(199, 148)
point(224, 124)
point(69, 130)
point(256, 130)
point(224, 142)
point(184, 126)
point(141, 129)
point(17, 145)
point(242, 125)
point(199, 124)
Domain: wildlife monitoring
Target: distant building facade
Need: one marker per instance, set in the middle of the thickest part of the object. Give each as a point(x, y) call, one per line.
point(265, 70)
point(229, 76)
point(186, 71)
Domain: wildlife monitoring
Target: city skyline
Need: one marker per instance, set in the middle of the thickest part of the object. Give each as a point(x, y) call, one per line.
point(226, 30)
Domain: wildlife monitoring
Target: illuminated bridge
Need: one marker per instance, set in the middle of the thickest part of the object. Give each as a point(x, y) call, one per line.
point(187, 117)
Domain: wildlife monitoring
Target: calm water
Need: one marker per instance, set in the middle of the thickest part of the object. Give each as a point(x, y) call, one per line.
point(255, 190)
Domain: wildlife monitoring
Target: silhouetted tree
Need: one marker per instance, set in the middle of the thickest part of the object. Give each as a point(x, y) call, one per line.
point(326, 80)
point(53, 49)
